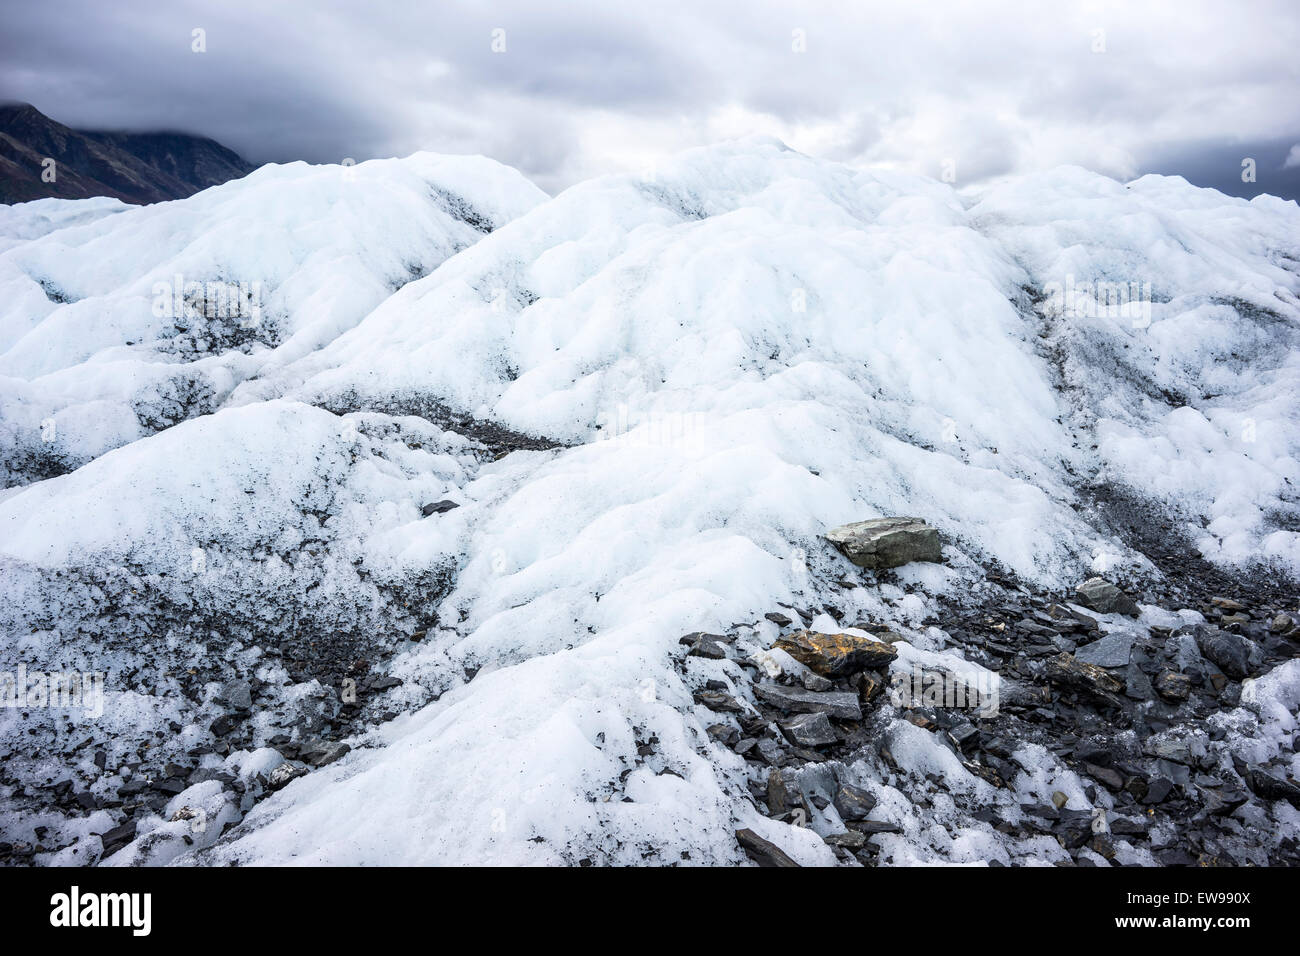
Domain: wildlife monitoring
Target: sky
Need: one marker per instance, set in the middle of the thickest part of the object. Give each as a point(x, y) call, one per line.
point(953, 89)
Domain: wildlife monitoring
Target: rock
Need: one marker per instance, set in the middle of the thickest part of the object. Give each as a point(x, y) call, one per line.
point(1098, 594)
point(1082, 676)
point(118, 837)
point(708, 647)
point(1281, 623)
point(1158, 790)
point(1074, 828)
point(878, 826)
point(171, 785)
point(1098, 752)
point(237, 694)
point(869, 685)
point(840, 704)
point(224, 724)
point(1227, 604)
point(963, 735)
point(771, 752)
point(849, 839)
point(1173, 749)
point(1231, 652)
point(1137, 686)
point(1224, 801)
point(283, 775)
point(1059, 799)
point(887, 542)
point(1127, 826)
point(1103, 845)
point(853, 803)
point(1185, 654)
point(761, 851)
point(719, 701)
point(438, 507)
point(1272, 787)
point(809, 730)
point(724, 734)
point(1173, 687)
point(779, 619)
point(784, 797)
point(319, 753)
point(815, 682)
point(1110, 779)
point(837, 655)
point(1113, 650)
point(203, 774)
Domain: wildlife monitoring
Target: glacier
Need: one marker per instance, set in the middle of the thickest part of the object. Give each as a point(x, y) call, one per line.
point(648, 398)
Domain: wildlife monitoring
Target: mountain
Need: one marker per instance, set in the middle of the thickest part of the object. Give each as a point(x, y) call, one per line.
point(490, 539)
point(132, 167)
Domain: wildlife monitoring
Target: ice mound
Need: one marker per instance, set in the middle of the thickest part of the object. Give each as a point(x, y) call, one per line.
point(116, 322)
point(728, 359)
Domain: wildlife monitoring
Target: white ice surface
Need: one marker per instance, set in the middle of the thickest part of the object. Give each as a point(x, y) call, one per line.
point(741, 353)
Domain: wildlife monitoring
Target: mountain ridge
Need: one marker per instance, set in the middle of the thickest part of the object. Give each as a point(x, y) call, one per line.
point(137, 168)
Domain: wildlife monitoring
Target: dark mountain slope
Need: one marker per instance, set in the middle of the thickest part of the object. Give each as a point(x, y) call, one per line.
point(134, 167)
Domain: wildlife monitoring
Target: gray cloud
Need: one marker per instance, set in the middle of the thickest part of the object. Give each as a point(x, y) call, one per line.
point(589, 88)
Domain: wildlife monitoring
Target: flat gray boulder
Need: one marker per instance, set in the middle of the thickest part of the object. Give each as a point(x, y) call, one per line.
point(796, 700)
point(1113, 650)
point(887, 542)
point(1098, 594)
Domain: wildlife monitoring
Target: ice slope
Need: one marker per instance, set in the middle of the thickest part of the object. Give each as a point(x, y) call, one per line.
point(115, 326)
point(1189, 387)
point(730, 358)
point(30, 220)
point(749, 349)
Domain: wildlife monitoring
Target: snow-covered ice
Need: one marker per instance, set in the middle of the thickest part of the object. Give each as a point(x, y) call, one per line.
point(724, 360)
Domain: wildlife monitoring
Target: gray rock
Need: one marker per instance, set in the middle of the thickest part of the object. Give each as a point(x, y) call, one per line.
point(784, 795)
point(887, 542)
point(1113, 650)
point(283, 775)
point(842, 704)
point(770, 751)
point(1098, 594)
point(1105, 775)
point(1137, 686)
point(878, 826)
point(318, 753)
point(853, 803)
point(1082, 676)
point(224, 724)
point(708, 647)
point(719, 701)
point(118, 837)
point(1158, 790)
point(1231, 652)
point(809, 730)
point(237, 694)
point(849, 839)
point(815, 682)
point(438, 507)
point(1184, 652)
point(1272, 787)
point(762, 852)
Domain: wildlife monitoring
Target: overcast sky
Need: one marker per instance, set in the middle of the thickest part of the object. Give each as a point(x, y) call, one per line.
point(571, 90)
